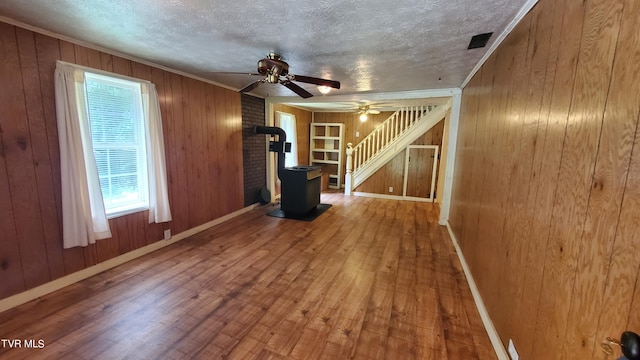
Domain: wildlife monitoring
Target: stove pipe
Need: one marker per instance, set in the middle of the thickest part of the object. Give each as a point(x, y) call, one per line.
point(275, 146)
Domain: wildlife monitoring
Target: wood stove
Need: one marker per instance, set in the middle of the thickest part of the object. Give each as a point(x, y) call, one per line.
point(300, 190)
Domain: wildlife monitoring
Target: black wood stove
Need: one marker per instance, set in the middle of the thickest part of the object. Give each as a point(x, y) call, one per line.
point(300, 191)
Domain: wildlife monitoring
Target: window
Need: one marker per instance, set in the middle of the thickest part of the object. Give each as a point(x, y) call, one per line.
point(111, 151)
point(288, 123)
point(114, 109)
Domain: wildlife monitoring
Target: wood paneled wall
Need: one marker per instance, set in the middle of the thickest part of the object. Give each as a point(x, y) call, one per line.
point(392, 174)
point(547, 182)
point(203, 144)
point(303, 119)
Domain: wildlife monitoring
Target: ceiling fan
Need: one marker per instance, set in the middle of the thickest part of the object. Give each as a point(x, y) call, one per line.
point(276, 71)
point(366, 109)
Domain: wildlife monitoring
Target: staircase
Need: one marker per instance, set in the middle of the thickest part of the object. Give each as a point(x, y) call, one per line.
point(388, 139)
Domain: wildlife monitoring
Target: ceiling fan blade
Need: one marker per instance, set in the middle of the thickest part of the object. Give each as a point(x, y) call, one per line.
point(251, 86)
point(316, 81)
point(374, 112)
point(231, 73)
point(297, 89)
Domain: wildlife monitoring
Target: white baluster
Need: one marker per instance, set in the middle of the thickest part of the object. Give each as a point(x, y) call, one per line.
point(348, 179)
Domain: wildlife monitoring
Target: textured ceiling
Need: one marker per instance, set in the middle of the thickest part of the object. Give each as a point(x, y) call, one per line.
point(372, 46)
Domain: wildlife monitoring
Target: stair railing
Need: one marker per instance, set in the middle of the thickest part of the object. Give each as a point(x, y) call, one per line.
point(385, 133)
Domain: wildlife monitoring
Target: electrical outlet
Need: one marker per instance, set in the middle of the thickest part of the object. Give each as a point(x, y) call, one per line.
point(167, 234)
point(512, 351)
point(390, 188)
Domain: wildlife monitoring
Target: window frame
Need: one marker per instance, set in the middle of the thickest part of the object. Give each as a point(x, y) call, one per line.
point(142, 161)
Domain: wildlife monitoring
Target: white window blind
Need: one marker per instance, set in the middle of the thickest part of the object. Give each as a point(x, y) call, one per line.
point(114, 109)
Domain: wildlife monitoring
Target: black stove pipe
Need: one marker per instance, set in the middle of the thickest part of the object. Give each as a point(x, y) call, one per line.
point(275, 146)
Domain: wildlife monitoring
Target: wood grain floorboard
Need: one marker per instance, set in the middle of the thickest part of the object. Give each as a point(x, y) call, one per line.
point(368, 279)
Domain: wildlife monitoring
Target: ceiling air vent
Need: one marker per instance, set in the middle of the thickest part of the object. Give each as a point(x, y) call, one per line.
point(479, 41)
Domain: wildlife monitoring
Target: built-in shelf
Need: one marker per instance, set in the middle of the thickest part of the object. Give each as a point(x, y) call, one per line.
point(325, 150)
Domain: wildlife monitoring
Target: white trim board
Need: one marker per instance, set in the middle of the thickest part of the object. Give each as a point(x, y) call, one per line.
point(390, 197)
point(44, 289)
point(519, 16)
point(498, 347)
point(452, 145)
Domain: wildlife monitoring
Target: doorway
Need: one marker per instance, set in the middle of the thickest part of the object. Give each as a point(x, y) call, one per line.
point(420, 171)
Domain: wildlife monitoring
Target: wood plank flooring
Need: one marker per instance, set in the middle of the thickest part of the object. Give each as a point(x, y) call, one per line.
point(368, 279)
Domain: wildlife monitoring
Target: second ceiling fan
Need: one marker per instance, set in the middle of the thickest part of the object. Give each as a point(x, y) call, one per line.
point(276, 71)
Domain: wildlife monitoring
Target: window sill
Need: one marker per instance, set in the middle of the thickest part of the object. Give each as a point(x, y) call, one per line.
point(126, 211)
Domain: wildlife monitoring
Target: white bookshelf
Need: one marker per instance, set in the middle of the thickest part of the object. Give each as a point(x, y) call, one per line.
point(325, 150)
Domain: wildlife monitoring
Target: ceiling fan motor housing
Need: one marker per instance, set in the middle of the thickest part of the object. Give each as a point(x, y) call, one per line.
point(273, 67)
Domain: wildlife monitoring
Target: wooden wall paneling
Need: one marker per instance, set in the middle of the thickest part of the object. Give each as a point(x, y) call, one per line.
point(121, 66)
point(165, 97)
point(37, 125)
point(464, 157)
point(208, 145)
point(233, 124)
point(228, 148)
point(106, 62)
point(190, 190)
point(621, 302)
point(206, 208)
point(469, 149)
point(236, 101)
point(518, 208)
point(481, 161)
point(74, 257)
point(513, 164)
point(544, 59)
point(120, 232)
point(18, 152)
point(194, 159)
point(136, 226)
point(214, 154)
point(593, 75)
point(561, 93)
point(181, 205)
point(140, 71)
point(48, 52)
point(504, 137)
point(221, 131)
point(108, 248)
point(10, 262)
point(589, 316)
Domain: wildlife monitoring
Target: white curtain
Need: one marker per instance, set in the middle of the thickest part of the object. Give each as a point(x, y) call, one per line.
point(159, 210)
point(287, 122)
point(83, 211)
point(84, 218)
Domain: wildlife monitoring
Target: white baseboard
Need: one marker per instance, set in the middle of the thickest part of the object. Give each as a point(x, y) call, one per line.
point(44, 289)
point(390, 197)
point(498, 347)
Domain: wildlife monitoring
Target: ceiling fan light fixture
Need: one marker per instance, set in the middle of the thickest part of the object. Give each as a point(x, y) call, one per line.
point(324, 90)
point(363, 117)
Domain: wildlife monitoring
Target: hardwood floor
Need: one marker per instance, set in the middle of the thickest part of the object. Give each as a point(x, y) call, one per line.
point(368, 279)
